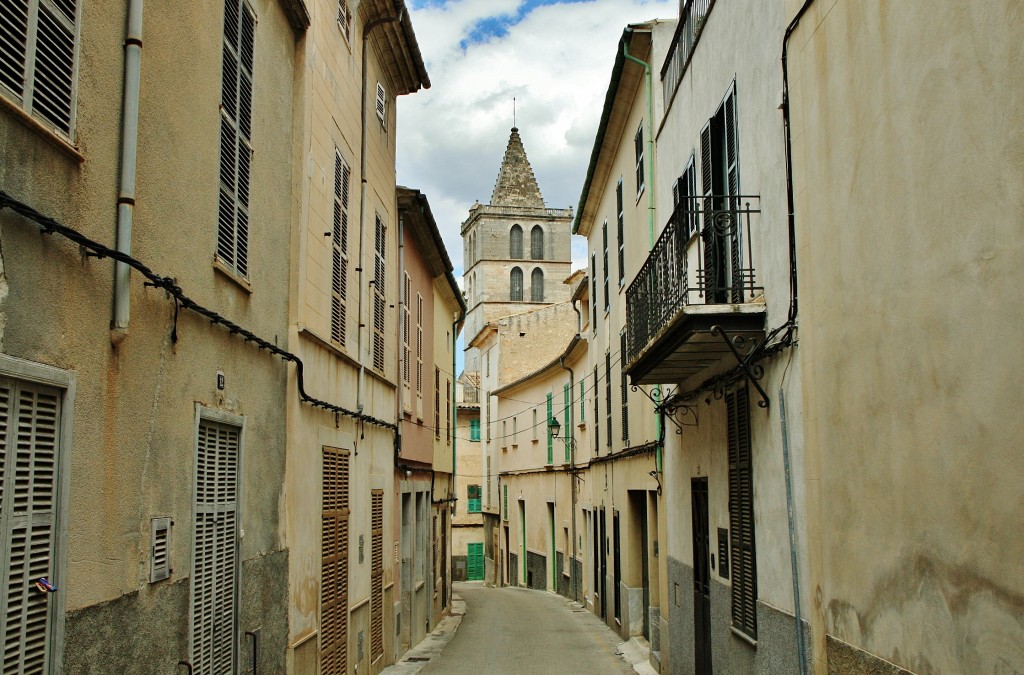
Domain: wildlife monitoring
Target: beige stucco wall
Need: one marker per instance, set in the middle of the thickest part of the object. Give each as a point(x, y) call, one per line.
point(908, 156)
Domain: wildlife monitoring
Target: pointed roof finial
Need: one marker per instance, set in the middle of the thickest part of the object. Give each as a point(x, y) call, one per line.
point(513, 112)
point(516, 184)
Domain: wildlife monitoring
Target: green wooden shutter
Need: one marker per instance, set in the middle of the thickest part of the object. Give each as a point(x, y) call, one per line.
point(475, 562)
point(505, 497)
point(551, 456)
point(474, 430)
point(741, 515)
point(567, 423)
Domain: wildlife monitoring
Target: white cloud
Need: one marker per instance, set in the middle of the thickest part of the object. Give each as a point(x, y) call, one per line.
point(556, 62)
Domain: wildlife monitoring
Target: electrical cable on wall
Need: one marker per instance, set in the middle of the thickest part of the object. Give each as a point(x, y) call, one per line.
point(182, 301)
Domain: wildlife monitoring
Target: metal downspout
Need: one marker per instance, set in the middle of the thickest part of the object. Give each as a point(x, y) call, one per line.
point(571, 439)
point(656, 394)
point(129, 152)
point(793, 310)
point(363, 324)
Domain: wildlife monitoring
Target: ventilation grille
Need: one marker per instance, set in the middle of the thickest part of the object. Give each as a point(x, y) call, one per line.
point(160, 548)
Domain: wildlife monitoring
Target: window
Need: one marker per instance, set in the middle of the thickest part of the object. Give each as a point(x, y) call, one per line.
point(625, 389)
point(214, 577)
point(567, 396)
point(608, 395)
point(515, 430)
point(537, 243)
point(719, 152)
point(604, 240)
point(448, 411)
point(236, 137)
point(419, 356)
point(534, 424)
point(638, 142)
point(622, 232)
point(474, 430)
point(406, 341)
point(473, 495)
point(38, 55)
point(437, 403)
point(504, 433)
point(683, 192)
point(741, 515)
point(515, 292)
point(597, 416)
point(504, 494)
point(33, 452)
point(345, 19)
point(379, 287)
point(583, 399)
point(334, 530)
point(551, 440)
point(515, 243)
point(339, 250)
point(537, 285)
point(593, 290)
point(382, 105)
point(487, 422)
point(377, 574)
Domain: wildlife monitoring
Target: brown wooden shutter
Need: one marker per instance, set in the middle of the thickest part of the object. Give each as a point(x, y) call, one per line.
point(339, 251)
point(741, 515)
point(334, 562)
point(376, 574)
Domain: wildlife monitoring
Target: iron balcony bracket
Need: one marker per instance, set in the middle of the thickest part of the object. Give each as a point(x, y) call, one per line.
point(746, 351)
point(672, 405)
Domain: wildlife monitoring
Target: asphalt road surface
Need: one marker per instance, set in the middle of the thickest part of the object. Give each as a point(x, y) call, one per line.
point(514, 630)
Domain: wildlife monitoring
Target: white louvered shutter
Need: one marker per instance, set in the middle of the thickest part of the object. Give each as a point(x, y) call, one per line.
point(38, 50)
point(236, 136)
point(382, 104)
point(213, 644)
point(29, 441)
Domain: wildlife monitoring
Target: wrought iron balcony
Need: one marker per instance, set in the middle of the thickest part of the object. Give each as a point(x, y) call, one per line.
point(692, 16)
point(700, 276)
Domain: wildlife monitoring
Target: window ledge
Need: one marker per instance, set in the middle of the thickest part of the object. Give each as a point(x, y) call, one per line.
point(48, 134)
point(231, 274)
point(743, 636)
point(515, 446)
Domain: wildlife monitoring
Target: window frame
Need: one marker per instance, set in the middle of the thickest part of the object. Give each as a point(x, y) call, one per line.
point(638, 142)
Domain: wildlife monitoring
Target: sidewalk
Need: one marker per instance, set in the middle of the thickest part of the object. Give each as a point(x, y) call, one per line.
point(414, 660)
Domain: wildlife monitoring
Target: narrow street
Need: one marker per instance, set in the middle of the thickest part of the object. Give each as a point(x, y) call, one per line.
point(514, 630)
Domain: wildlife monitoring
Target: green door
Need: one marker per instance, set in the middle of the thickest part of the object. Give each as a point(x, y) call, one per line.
point(475, 563)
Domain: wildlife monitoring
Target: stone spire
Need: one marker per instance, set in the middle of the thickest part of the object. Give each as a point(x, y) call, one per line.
point(516, 185)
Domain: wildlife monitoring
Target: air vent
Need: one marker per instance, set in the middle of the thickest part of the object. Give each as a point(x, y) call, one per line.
point(160, 549)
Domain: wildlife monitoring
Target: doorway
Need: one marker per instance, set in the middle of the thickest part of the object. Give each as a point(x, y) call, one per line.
point(701, 577)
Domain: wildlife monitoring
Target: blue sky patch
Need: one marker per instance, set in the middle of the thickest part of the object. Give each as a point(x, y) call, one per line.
point(497, 25)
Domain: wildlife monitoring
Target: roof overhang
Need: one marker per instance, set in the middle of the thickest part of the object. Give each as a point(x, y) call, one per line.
point(402, 59)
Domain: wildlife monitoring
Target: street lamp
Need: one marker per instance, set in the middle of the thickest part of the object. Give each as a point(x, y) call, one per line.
point(554, 427)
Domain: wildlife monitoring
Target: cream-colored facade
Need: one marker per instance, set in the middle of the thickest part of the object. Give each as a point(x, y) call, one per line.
point(111, 420)
point(908, 182)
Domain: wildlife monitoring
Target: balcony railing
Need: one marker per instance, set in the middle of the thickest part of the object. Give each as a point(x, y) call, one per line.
point(724, 271)
point(691, 22)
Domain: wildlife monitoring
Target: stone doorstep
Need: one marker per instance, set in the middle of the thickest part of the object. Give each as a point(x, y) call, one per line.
point(636, 651)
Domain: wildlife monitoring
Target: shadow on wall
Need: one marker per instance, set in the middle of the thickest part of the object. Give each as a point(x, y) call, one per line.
point(945, 618)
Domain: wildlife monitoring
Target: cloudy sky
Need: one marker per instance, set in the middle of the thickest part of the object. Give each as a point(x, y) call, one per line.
point(553, 56)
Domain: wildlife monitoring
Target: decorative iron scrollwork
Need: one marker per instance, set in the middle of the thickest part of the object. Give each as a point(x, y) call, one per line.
point(746, 351)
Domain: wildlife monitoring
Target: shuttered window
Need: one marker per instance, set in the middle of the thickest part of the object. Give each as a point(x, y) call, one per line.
point(448, 411)
point(475, 562)
point(30, 420)
point(379, 292)
point(515, 285)
point(551, 441)
point(406, 342)
point(437, 403)
point(382, 104)
point(473, 494)
point(638, 146)
point(214, 582)
point(376, 575)
point(719, 150)
point(624, 388)
point(339, 251)
point(741, 515)
point(344, 19)
point(608, 395)
point(504, 490)
point(567, 395)
point(419, 356)
point(474, 430)
point(604, 239)
point(593, 291)
point(38, 59)
point(621, 222)
point(597, 416)
point(236, 136)
point(334, 532)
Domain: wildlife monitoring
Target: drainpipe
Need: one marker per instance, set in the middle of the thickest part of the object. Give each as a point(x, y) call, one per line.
point(363, 324)
point(656, 394)
point(572, 472)
point(129, 151)
point(793, 310)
